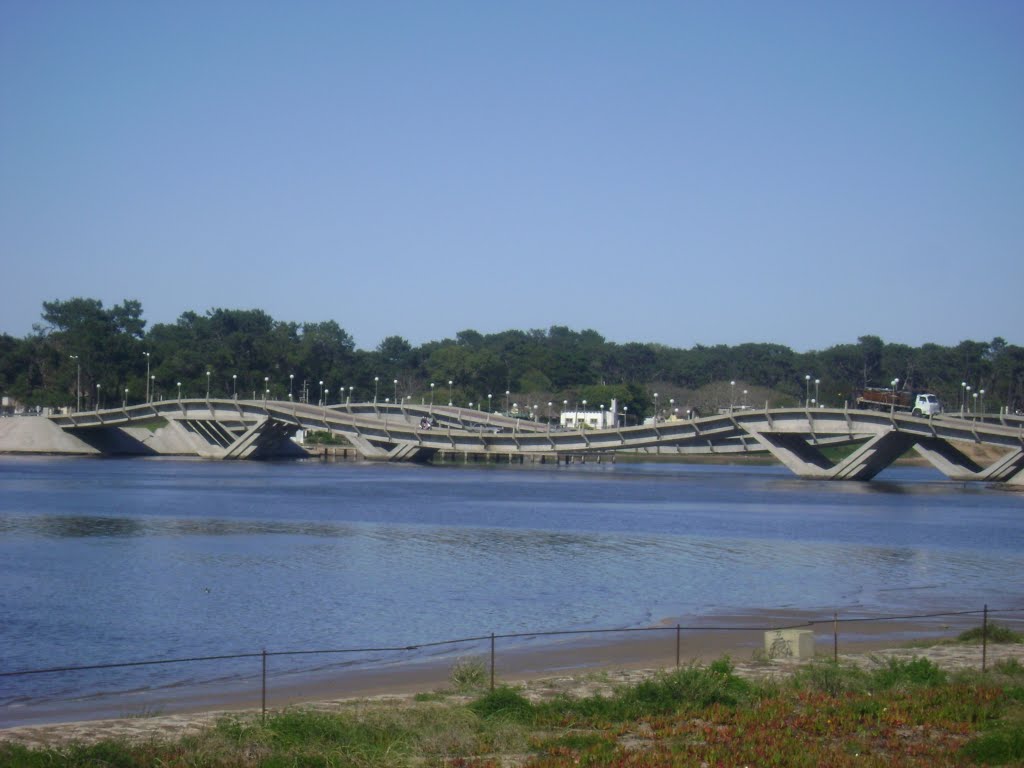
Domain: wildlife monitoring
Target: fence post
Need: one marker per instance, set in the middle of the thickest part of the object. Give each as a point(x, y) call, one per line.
point(492, 661)
point(263, 701)
point(835, 637)
point(984, 637)
point(677, 646)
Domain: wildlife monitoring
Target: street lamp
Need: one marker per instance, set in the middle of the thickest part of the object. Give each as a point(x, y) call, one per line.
point(179, 390)
point(807, 391)
point(625, 415)
point(982, 392)
point(565, 407)
point(327, 396)
point(506, 402)
point(432, 397)
point(350, 390)
point(963, 396)
point(655, 409)
point(322, 392)
point(151, 383)
point(672, 404)
point(234, 386)
point(967, 399)
point(266, 386)
point(291, 385)
point(488, 401)
point(732, 394)
point(975, 396)
point(78, 385)
point(124, 403)
point(147, 375)
point(892, 403)
point(207, 385)
point(817, 397)
point(376, 383)
point(449, 392)
point(97, 397)
point(396, 390)
point(744, 399)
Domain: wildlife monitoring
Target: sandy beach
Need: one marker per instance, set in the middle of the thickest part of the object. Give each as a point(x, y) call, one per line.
point(581, 665)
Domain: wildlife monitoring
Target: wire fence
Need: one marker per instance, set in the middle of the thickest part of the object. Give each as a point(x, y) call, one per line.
point(676, 632)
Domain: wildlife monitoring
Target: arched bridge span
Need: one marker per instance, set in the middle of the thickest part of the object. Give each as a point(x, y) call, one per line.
point(238, 429)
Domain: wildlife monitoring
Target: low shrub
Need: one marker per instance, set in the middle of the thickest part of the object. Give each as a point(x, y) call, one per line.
point(993, 633)
point(469, 674)
point(907, 673)
point(997, 747)
point(504, 702)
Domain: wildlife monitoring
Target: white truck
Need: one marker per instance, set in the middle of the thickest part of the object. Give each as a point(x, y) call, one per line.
point(883, 399)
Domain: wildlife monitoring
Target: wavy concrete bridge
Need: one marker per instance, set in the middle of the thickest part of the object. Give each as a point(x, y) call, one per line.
point(240, 429)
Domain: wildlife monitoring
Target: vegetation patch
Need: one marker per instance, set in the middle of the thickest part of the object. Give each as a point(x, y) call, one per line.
point(902, 713)
point(993, 633)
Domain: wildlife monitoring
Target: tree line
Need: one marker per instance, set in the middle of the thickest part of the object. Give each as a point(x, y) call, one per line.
point(82, 349)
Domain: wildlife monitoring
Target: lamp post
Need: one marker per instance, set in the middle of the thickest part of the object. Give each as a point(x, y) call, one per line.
point(892, 403)
point(732, 395)
point(672, 405)
point(266, 387)
point(506, 402)
point(432, 397)
point(565, 407)
point(124, 403)
point(975, 407)
point(207, 385)
point(327, 396)
point(449, 392)
point(234, 386)
point(584, 410)
point(78, 385)
point(807, 391)
point(376, 384)
point(982, 393)
point(152, 387)
point(396, 391)
point(817, 397)
point(967, 399)
point(744, 399)
point(291, 385)
point(625, 415)
point(147, 375)
point(963, 396)
point(488, 403)
point(322, 392)
point(97, 397)
point(179, 390)
point(350, 390)
point(655, 409)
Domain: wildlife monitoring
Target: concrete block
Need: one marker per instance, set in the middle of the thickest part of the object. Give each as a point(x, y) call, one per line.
point(789, 644)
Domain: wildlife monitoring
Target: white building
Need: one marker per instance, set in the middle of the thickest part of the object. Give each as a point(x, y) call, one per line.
point(604, 418)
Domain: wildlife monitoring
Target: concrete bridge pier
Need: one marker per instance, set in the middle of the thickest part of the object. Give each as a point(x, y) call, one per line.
point(807, 460)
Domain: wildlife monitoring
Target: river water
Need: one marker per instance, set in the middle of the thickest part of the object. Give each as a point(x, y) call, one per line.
point(107, 561)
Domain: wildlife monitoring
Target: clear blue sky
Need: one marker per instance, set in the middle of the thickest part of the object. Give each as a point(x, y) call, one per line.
point(682, 172)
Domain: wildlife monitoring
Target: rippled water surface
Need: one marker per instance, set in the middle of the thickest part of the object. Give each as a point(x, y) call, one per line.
point(119, 560)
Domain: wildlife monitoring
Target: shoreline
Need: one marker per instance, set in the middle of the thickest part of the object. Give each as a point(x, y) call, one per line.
point(741, 637)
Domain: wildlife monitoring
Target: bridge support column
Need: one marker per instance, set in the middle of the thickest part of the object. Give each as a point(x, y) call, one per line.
point(948, 459)
point(802, 458)
point(806, 460)
point(872, 457)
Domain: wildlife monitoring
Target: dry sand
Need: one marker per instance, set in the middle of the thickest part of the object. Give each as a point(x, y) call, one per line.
point(582, 667)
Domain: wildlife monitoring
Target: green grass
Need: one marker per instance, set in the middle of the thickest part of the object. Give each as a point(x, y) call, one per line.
point(993, 633)
point(901, 713)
